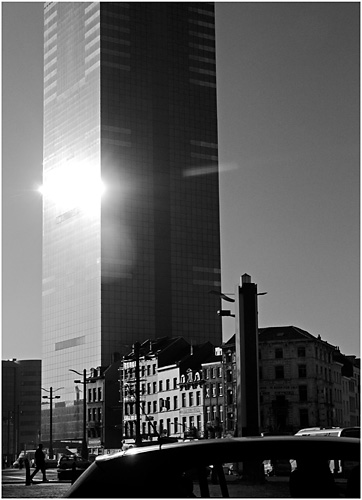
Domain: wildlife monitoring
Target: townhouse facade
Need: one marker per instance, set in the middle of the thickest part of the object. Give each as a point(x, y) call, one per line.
point(213, 394)
point(304, 382)
point(172, 392)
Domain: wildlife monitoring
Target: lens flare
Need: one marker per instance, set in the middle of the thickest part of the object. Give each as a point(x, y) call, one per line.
point(73, 185)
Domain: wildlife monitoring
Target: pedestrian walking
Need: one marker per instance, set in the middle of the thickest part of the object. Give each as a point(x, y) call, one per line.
point(39, 463)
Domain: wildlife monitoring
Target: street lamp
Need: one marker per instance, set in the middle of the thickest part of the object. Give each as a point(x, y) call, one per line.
point(84, 382)
point(51, 397)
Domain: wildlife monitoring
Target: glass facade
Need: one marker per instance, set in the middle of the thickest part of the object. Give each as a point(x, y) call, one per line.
point(129, 98)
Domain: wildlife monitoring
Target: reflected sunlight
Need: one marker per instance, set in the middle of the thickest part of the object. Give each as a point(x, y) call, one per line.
point(74, 184)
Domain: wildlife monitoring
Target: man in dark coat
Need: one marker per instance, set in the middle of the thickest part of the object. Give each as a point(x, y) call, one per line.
point(39, 463)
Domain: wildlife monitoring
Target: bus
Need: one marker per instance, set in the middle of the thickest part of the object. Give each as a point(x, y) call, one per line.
point(337, 467)
point(331, 431)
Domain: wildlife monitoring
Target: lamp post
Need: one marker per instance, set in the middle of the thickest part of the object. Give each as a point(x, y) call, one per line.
point(51, 397)
point(84, 382)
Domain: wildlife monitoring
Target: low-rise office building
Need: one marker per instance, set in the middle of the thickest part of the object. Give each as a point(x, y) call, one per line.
point(21, 403)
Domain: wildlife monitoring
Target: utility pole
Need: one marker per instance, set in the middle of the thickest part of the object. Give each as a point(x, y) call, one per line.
point(51, 424)
point(51, 397)
point(136, 353)
point(84, 441)
point(84, 383)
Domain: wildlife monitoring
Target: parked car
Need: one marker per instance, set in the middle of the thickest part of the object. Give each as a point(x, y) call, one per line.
point(71, 466)
point(19, 462)
point(183, 469)
point(50, 463)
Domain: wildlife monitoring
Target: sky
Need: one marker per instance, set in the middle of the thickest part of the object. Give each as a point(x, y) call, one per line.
point(288, 120)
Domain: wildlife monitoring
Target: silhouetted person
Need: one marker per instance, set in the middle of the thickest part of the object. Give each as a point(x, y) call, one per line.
point(354, 483)
point(39, 463)
point(312, 479)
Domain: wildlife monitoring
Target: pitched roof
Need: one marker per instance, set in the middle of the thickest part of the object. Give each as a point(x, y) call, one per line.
point(279, 333)
point(284, 333)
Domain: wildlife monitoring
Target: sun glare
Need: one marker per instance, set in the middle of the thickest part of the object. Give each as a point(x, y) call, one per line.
point(74, 185)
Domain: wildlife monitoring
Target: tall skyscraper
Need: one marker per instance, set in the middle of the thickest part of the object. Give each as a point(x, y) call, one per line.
point(129, 99)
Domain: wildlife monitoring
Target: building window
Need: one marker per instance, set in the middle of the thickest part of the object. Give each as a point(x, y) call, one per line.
point(198, 422)
point(149, 407)
point(219, 372)
point(302, 371)
point(208, 413)
point(303, 396)
point(213, 390)
point(99, 393)
point(168, 426)
point(154, 406)
point(228, 357)
point(198, 398)
point(167, 384)
point(221, 413)
point(278, 353)
point(230, 398)
point(89, 395)
point(207, 391)
point(175, 425)
point(207, 373)
point(184, 423)
point(154, 369)
point(175, 403)
point(213, 373)
point(279, 371)
point(148, 388)
point(220, 389)
point(303, 417)
point(175, 383)
point(160, 386)
point(191, 422)
point(148, 370)
point(301, 352)
point(183, 400)
point(191, 399)
point(229, 376)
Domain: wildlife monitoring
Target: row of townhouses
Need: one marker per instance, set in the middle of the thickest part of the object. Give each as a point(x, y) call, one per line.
point(189, 391)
